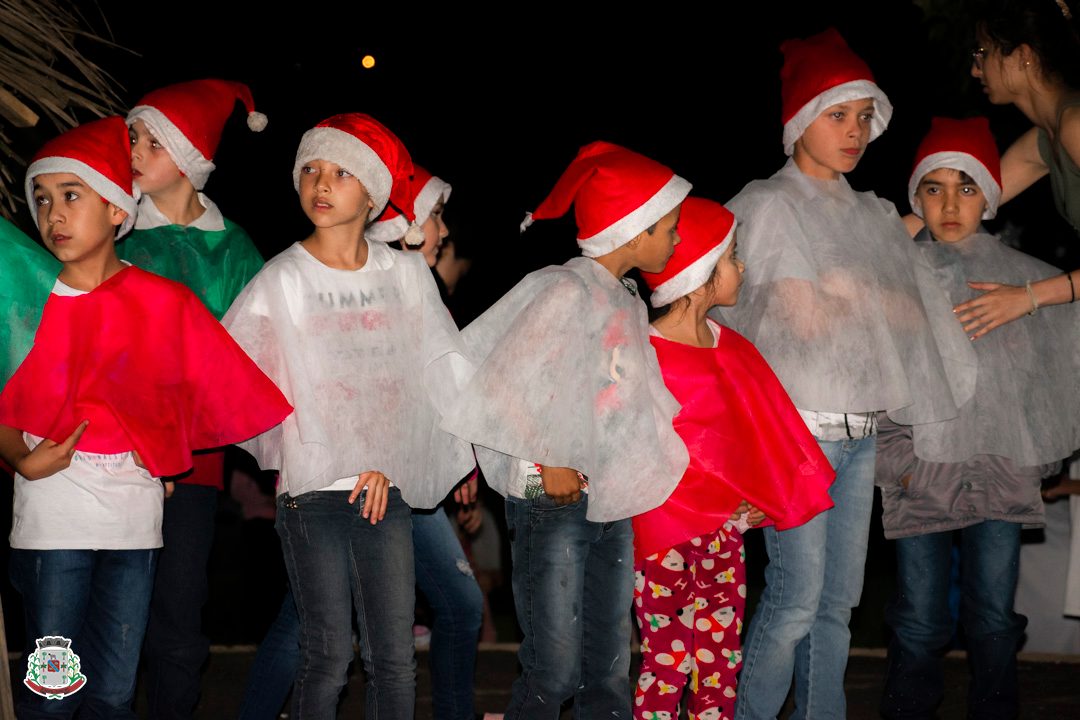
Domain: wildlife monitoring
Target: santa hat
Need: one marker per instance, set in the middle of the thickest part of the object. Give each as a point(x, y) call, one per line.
point(99, 153)
point(422, 193)
point(364, 147)
point(964, 145)
point(188, 118)
point(616, 194)
point(820, 72)
point(707, 229)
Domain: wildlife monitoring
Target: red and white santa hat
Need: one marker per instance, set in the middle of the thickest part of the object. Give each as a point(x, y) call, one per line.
point(422, 193)
point(822, 71)
point(616, 194)
point(707, 229)
point(964, 145)
point(366, 148)
point(99, 153)
point(188, 118)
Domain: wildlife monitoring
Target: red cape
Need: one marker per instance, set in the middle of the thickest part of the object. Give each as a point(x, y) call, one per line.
point(143, 360)
point(746, 441)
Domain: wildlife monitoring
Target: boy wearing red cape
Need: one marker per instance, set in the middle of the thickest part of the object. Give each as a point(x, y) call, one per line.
point(128, 375)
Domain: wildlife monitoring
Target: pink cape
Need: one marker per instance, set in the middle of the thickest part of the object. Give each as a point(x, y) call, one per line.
point(143, 360)
point(746, 441)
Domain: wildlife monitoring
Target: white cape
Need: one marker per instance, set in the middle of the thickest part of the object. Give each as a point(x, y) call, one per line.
point(841, 304)
point(566, 377)
point(1024, 407)
point(369, 359)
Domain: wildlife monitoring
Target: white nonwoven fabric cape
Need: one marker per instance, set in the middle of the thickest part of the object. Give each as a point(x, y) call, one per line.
point(1028, 370)
point(369, 359)
point(842, 305)
point(566, 377)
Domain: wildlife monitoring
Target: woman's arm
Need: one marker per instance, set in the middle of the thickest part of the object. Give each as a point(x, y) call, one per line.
point(1021, 166)
point(1002, 304)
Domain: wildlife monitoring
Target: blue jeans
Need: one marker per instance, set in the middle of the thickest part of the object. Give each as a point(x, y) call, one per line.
point(573, 584)
point(445, 579)
point(100, 600)
point(339, 562)
point(813, 580)
point(922, 625)
point(176, 649)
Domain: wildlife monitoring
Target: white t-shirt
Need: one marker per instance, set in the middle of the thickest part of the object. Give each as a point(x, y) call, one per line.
point(99, 502)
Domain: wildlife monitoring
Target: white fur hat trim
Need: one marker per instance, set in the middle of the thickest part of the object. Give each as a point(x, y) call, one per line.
point(102, 185)
point(693, 275)
point(190, 161)
point(844, 92)
point(345, 150)
point(964, 162)
point(630, 226)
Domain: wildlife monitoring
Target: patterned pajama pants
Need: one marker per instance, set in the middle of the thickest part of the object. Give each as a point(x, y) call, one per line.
point(689, 603)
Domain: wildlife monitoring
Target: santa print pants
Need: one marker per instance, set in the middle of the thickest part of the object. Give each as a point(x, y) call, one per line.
point(689, 603)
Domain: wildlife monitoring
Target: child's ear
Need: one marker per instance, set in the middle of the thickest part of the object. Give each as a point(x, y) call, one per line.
point(117, 216)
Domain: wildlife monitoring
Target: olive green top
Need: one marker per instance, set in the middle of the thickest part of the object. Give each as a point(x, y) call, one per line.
point(1064, 176)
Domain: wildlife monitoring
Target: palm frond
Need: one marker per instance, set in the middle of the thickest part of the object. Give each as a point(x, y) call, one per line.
point(42, 67)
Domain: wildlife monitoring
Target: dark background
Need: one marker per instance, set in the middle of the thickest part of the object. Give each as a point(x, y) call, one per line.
point(498, 102)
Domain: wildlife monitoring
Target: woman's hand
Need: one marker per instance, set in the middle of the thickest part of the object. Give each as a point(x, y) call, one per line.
point(378, 494)
point(999, 304)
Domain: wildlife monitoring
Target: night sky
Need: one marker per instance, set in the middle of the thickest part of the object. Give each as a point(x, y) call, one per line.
point(497, 106)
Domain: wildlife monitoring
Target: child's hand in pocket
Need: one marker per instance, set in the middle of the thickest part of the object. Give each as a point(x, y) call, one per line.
point(378, 493)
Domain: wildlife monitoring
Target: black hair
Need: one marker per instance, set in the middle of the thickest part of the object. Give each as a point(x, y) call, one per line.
point(680, 302)
point(1049, 27)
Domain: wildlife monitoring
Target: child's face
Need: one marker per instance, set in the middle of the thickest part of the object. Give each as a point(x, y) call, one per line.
point(332, 196)
point(654, 248)
point(75, 222)
point(727, 280)
point(434, 233)
point(952, 204)
point(151, 164)
point(835, 141)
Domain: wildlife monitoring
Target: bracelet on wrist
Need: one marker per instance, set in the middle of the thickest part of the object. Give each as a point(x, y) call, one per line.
point(1031, 296)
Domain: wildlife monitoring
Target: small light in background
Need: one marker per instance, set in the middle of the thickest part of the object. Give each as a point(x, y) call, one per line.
point(368, 62)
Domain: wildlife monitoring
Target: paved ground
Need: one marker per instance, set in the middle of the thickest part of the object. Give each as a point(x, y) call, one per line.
point(1050, 685)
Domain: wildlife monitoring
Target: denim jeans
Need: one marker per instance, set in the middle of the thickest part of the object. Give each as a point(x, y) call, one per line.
point(922, 625)
point(175, 648)
point(100, 600)
point(573, 584)
point(339, 562)
point(444, 577)
point(813, 580)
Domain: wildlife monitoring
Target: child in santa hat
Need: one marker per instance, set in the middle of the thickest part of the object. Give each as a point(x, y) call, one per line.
point(688, 553)
point(428, 196)
point(452, 593)
point(181, 234)
point(128, 375)
point(979, 473)
point(845, 311)
point(356, 336)
point(571, 422)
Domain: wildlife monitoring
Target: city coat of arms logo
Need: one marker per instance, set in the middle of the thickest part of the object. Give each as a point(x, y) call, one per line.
point(52, 670)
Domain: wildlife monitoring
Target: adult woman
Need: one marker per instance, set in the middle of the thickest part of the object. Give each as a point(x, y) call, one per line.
point(1029, 56)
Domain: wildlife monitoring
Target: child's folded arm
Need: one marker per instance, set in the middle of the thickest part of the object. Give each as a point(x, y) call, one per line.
point(47, 458)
